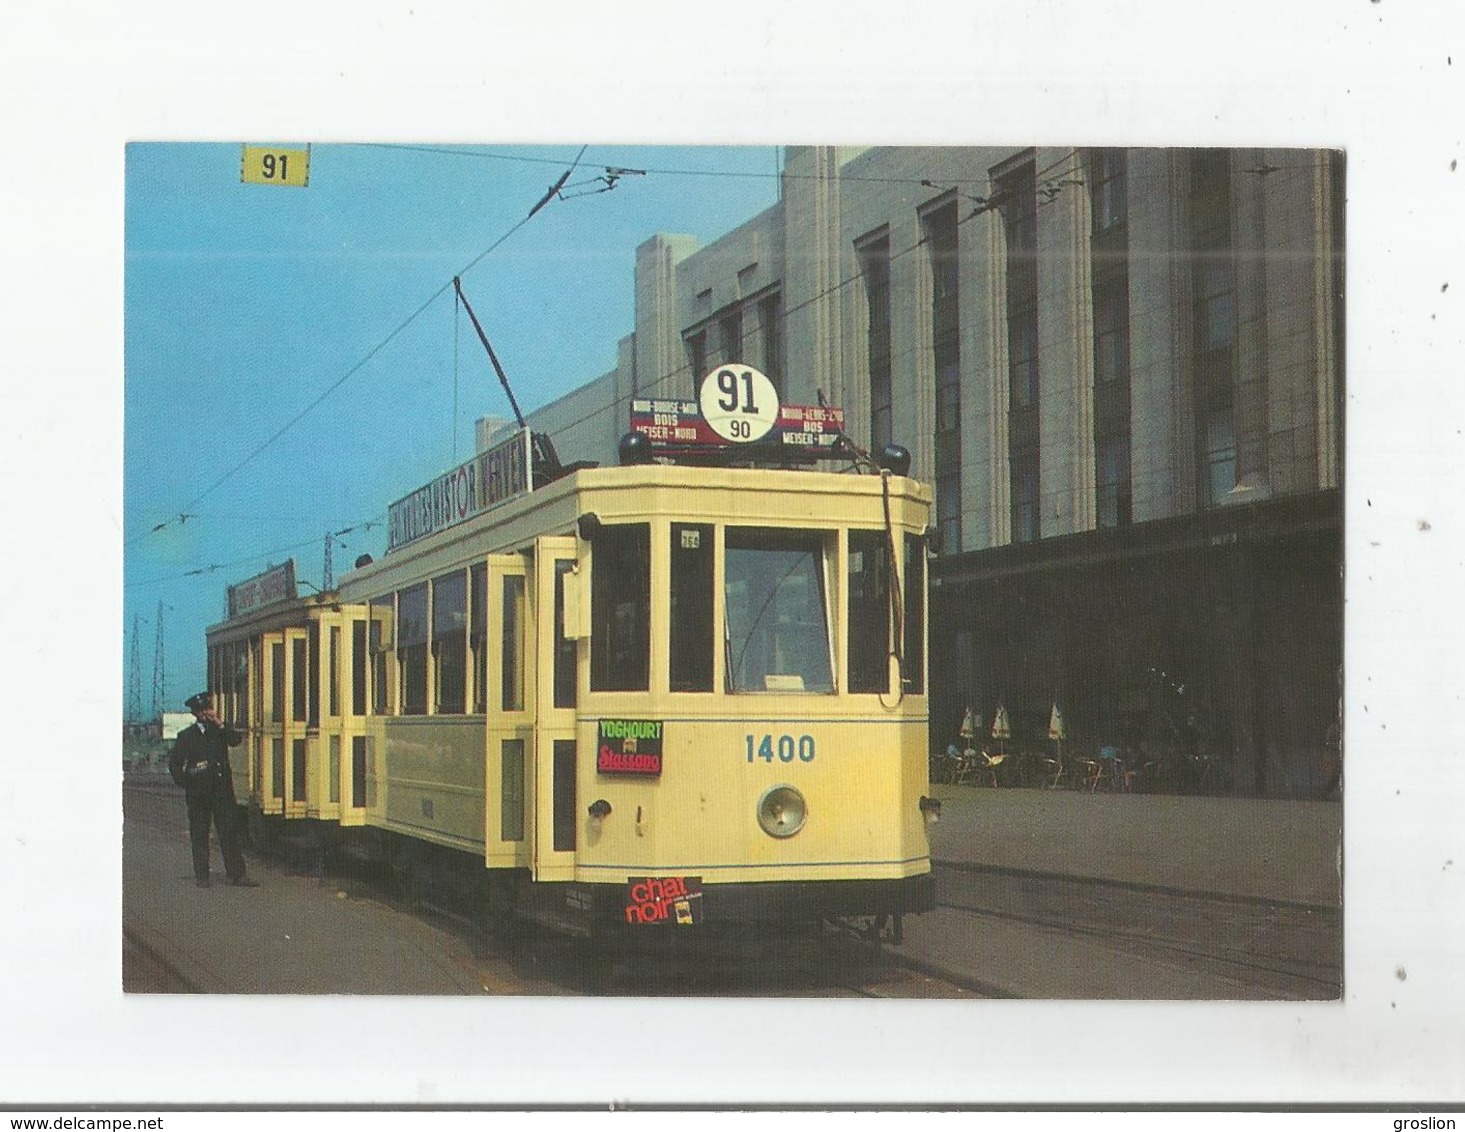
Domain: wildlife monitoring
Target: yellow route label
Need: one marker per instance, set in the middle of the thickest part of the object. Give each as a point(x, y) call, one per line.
point(275, 165)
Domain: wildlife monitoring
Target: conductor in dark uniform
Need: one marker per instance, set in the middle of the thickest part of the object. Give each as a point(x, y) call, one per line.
point(200, 764)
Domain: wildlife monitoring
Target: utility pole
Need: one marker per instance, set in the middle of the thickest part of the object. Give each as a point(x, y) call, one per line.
point(160, 680)
point(134, 681)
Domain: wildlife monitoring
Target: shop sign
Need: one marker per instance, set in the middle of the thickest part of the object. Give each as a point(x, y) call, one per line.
point(664, 900)
point(274, 585)
point(629, 746)
point(492, 477)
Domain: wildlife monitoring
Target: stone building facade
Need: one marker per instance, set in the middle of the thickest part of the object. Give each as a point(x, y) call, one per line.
point(1123, 372)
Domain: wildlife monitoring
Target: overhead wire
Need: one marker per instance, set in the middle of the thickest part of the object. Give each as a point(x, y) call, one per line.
point(359, 365)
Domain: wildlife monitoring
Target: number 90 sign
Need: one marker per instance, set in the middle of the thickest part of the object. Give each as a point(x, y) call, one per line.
point(739, 403)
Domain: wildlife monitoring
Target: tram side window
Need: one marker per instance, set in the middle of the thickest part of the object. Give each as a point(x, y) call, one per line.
point(360, 662)
point(239, 662)
point(299, 671)
point(333, 701)
point(565, 689)
point(412, 649)
point(381, 654)
point(312, 673)
point(777, 624)
point(511, 691)
point(478, 634)
point(914, 669)
point(691, 607)
point(869, 611)
point(620, 609)
point(449, 641)
point(277, 681)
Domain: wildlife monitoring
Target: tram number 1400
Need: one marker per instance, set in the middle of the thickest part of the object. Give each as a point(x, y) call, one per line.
point(782, 747)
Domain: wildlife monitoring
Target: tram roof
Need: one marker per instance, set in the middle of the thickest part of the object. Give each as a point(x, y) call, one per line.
point(645, 490)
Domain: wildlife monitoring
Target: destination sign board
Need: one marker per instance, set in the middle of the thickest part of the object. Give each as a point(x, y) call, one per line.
point(492, 477)
point(274, 585)
point(673, 424)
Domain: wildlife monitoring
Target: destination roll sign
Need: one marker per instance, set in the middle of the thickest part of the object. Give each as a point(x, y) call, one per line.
point(737, 406)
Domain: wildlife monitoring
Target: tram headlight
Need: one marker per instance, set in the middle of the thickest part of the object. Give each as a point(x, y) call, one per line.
point(781, 811)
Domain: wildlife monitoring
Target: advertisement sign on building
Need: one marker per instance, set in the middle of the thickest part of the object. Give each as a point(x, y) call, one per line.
point(274, 585)
point(495, 476)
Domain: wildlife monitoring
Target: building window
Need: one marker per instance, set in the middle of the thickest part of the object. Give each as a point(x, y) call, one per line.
point(1213, 310)
point(1110, 280)
point(620, 609)
point(697, 355)
point(730, 333)
point(875, 269)
point(450, 642)
point(1111, 457)
point(1017, 193)
point(1108, 194)
point(770, 319)
point(941, 239)
point(1025, 496)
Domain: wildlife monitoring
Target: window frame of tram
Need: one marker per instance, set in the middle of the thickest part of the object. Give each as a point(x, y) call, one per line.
point(277, 682)
point(693, 584)
point(566, 684)
point(913, 667)
point(815, 672)
point(514, 646)
point(620, 608)
point(413, 612)
point(868, 586)
point(450, 643)
point(478, 633)
point(381, 616)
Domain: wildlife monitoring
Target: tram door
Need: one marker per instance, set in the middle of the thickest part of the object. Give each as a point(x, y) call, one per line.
point(556, 807)
point(507, 697)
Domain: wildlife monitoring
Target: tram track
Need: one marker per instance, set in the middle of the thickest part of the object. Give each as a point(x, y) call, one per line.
point(1262, 948)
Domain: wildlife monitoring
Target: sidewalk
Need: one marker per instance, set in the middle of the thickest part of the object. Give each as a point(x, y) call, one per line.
point(1241, 848)
point(1261, 848)
point(279, 938)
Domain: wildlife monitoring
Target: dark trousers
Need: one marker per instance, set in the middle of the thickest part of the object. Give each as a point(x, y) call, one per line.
point(224, 814)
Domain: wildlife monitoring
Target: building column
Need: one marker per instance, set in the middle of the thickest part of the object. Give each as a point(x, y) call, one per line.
point(813, 262)
point(1160, 459)
point(659, 363)
point(986, 488)
point(1065, 348)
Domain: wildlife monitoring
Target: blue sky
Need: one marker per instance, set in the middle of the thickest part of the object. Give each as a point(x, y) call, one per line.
point(245, 303)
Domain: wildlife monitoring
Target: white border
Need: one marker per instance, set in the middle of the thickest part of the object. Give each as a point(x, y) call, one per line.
point(83, 79)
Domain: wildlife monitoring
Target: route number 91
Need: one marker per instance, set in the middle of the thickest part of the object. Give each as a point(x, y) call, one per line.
point(787, 748)
point(739, 403)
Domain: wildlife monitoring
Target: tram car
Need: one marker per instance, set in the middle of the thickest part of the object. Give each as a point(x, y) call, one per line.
point(688, 690)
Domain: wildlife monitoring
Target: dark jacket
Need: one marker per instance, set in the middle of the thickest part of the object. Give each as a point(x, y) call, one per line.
point(200, 759)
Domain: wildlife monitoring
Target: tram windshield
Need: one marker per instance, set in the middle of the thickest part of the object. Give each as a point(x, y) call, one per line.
point(777, 614)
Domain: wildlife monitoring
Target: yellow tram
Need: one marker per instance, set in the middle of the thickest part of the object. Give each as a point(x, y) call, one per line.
point(687, 690)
